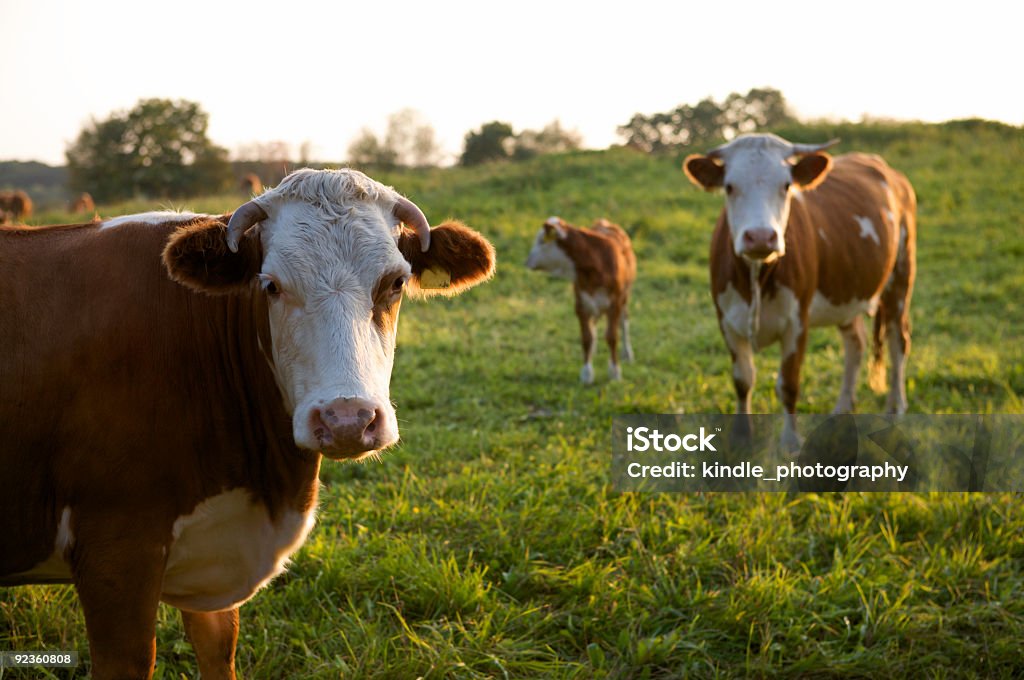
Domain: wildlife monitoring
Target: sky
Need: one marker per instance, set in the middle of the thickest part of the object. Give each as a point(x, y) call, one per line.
point(317, 72)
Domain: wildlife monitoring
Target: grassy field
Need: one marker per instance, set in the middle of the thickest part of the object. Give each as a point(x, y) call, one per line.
point(490, 543)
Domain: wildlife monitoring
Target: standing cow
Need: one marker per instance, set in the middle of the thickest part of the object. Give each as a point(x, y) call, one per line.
point(807, 240)
point(166, 396)
point(15, 206)
point(600, 263)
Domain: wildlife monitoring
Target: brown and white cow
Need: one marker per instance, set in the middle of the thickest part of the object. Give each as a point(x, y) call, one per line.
point(169, 382)
point(809, 240)
point(600, 263)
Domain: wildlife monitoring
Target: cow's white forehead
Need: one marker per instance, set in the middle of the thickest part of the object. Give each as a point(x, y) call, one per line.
point(331, 228)
point(756, 157)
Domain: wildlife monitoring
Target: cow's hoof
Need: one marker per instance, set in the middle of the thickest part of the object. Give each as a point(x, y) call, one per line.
point(587, 374)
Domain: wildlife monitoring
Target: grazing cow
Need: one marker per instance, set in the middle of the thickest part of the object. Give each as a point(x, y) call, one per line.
point(251, 185)
point(600, 263)
point(83, 204)
point(813, 241)
point(169, 382)
point(15, 206)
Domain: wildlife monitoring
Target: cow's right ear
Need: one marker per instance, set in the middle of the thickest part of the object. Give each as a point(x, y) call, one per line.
point(704, 172)
point(197, 256)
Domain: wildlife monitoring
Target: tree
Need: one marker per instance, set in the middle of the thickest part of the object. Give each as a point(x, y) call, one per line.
point(552, 138)
point(707, 121)
point(158, 149)
point(494, 141)
point(409, 141)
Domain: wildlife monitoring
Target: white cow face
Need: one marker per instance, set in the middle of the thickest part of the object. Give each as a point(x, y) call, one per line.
point(333, 262)
point(759, 183)
point(546, 255)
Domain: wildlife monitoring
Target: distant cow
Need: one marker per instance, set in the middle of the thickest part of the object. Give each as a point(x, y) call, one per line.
point(251, 185)
point(169, 382)
point(600, 263)
point(812, 241)
point(15, 206)
point(83, 204)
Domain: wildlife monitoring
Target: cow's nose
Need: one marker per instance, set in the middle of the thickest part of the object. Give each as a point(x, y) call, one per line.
point(349, 426)
point(760, 242)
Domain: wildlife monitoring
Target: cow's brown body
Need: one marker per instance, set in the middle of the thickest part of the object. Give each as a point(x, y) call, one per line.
point(112, 407)
point(146, 449)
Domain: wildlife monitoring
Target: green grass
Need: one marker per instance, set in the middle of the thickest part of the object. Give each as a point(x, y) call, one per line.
point(490, 544)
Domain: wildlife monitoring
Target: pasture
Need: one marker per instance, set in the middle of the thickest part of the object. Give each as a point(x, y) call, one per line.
point(490, 544)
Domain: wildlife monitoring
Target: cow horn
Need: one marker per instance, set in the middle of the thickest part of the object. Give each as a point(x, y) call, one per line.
point(241, 221)
point(717, 151)
point(409, 213)
point(804, 149)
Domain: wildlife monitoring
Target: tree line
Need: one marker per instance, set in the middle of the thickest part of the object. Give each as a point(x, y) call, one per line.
point(160, 148)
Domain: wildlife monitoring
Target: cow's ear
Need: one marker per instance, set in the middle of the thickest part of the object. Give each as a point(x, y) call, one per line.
point(704, 172)
point(811, 170)
point(458, 258)
point(197, 256)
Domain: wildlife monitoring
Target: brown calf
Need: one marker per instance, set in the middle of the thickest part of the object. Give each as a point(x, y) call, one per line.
point(600, 263)
point(811, 242)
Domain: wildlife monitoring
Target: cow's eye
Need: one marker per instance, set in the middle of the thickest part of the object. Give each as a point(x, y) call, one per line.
point(728, 189)
point(785, 187)
point(269, 285)
point(398, 284)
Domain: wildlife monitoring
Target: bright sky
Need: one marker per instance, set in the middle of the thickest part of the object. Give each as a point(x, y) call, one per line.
point(318, 71)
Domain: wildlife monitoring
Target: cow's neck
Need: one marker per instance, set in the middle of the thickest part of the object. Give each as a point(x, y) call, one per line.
point(281, 474)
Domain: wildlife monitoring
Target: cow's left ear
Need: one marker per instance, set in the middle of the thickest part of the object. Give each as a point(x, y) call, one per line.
point(458, 258)
point(811, 170)
point(197, 256)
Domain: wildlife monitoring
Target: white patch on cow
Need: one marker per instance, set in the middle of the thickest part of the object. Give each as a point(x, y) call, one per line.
point(149, 218)
point(890, 216)
point(821, 233)
point(228, 548)
point(54, 569)
point(595, 304)
point(779, 313)
point(546, 256)
point(328, 238)
point(798, 195)
point(825, 313)
point(867, 228)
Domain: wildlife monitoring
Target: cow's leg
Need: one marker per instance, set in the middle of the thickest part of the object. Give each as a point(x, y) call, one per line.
point(743, 375)
point(611, 336)
point(743, 372)
point(627, 345)
point(787, 387)
point(213, 636)
point(854, 340)
point(899, 347)
point(587, 337)
point(118, 573)
point(896, 301)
